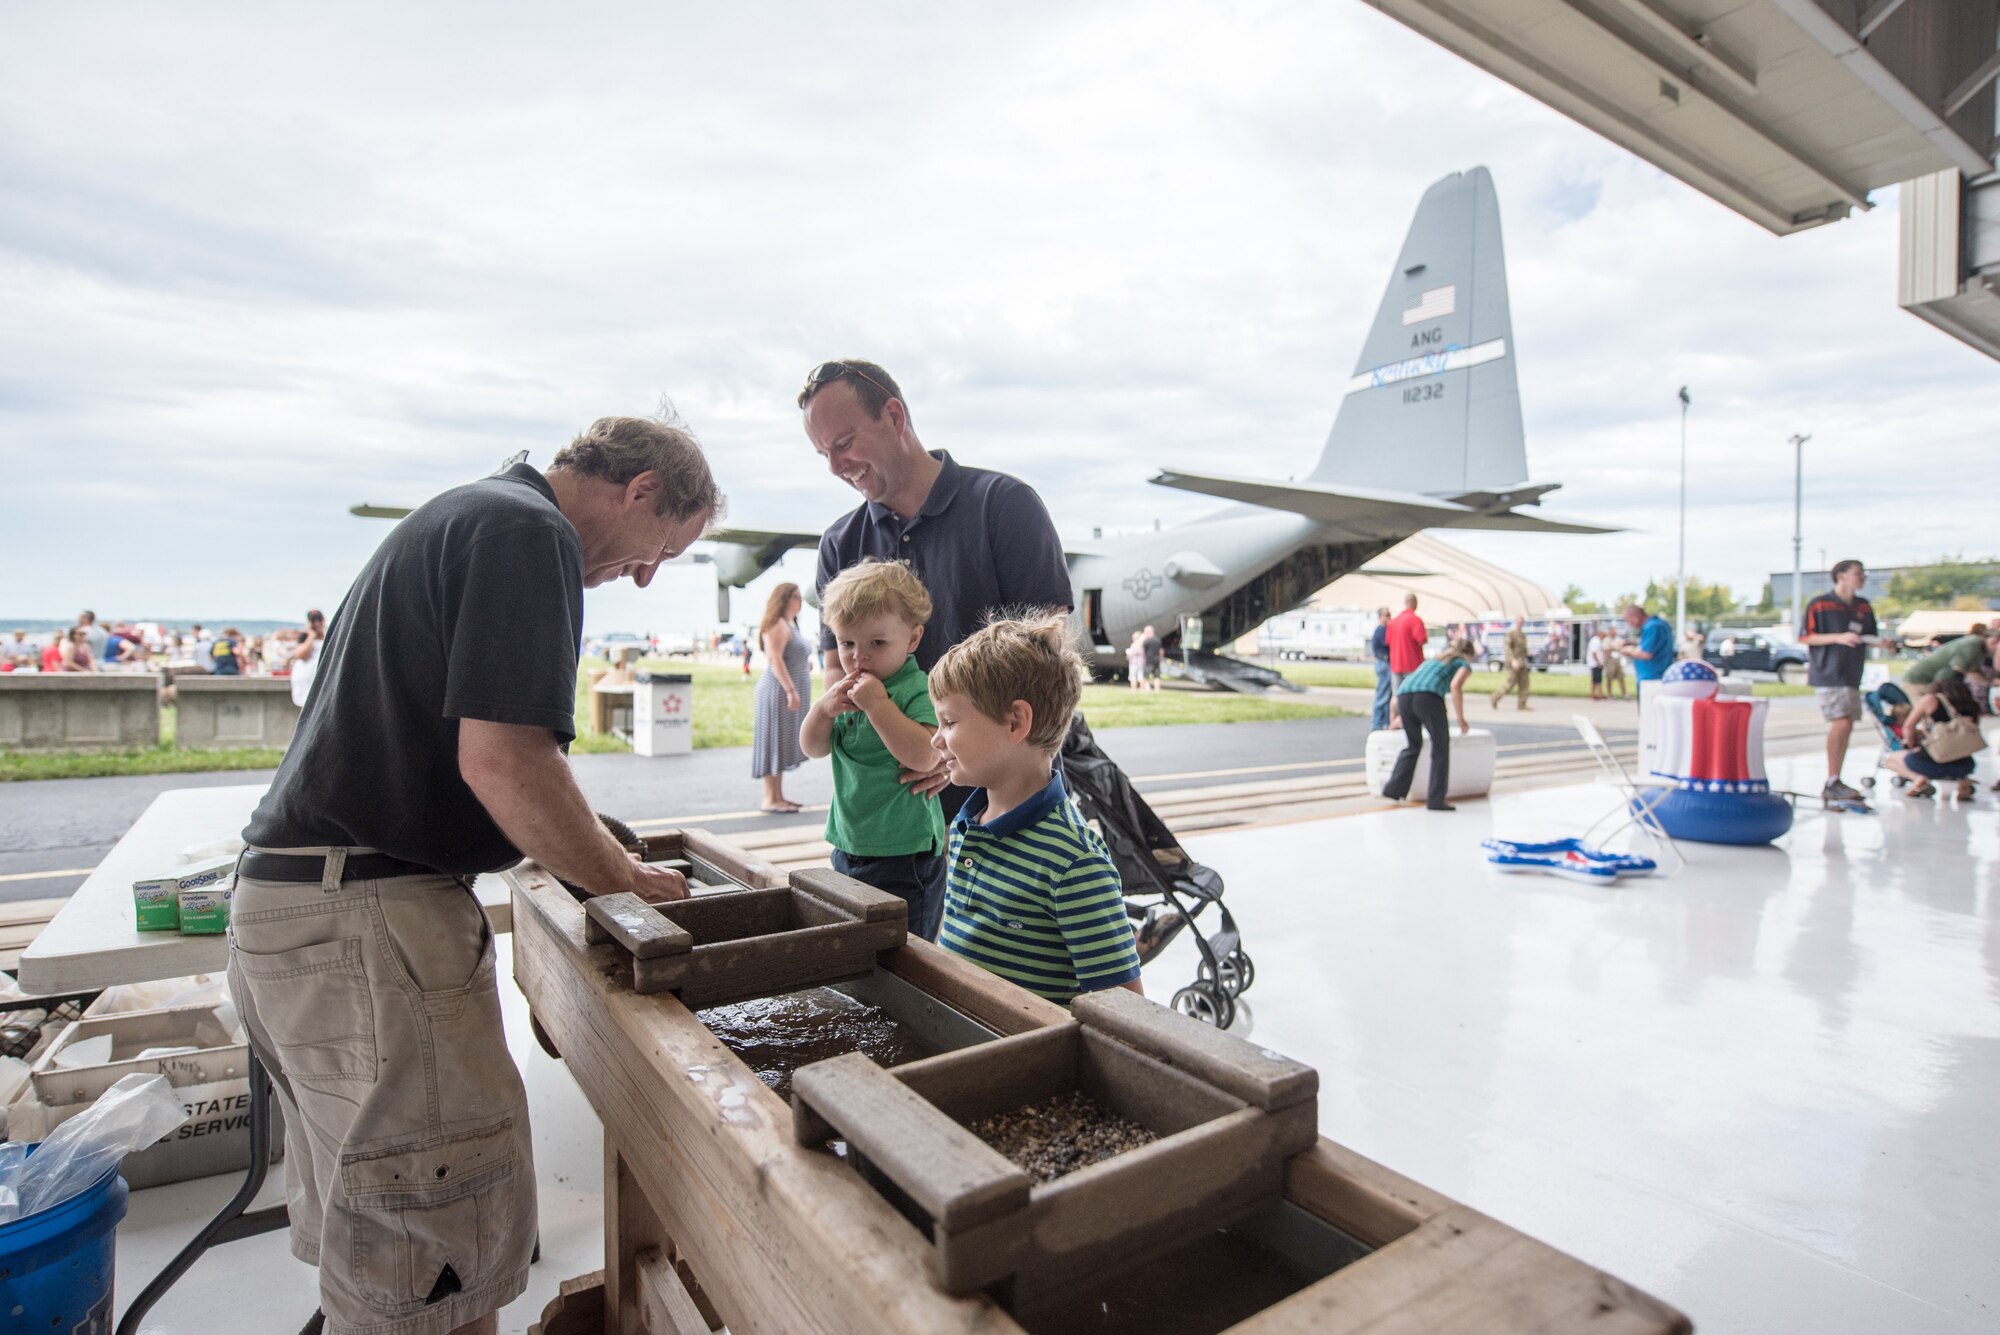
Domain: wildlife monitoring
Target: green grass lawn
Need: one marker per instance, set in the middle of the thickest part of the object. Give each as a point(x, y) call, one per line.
point(725, 705)
point(1539, 683)
point(20, 766)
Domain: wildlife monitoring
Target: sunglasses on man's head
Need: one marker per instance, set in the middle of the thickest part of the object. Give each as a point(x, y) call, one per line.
point(828, 372)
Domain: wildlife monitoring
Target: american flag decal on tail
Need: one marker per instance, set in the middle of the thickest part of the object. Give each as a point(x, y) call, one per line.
point(1436, 303)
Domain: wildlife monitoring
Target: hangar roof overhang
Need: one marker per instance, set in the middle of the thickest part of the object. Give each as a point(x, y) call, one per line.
point(1788, 111)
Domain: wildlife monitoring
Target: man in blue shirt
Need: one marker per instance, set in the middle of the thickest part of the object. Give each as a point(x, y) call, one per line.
point(1654, 653)
point(1378, 644)
point(981, 541)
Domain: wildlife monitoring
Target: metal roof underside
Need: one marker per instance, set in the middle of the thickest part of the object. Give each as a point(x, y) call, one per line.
point(1780, 109)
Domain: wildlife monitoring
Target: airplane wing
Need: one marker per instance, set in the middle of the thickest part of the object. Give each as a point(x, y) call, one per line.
point(763, 539)
point(1359, 512)
point(741, 554)
point(1508, 519)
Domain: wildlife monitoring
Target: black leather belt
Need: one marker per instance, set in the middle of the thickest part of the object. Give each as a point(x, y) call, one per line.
point(311, 867)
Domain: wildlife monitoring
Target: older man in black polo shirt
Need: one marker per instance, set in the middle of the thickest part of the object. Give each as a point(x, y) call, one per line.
point(981, 541)
point(430, 750)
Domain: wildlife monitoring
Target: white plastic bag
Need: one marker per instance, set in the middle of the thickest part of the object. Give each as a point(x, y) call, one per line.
point(129, 1116)
point(12, 1156)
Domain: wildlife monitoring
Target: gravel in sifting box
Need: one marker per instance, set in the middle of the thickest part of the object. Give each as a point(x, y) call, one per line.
point(1056, 1136)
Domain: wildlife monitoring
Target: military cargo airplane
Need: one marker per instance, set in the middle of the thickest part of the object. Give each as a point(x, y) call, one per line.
point(1428, 435)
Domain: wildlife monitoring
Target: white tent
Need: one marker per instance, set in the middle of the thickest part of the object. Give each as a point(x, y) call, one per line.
point(1451, 586)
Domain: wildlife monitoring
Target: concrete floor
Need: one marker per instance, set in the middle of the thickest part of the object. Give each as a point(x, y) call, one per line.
point(1762, 1089)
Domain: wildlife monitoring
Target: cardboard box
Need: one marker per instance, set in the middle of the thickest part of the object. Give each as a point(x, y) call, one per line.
point(156, 899)
point(158, 905)
point(205, 912)
point(212, 1082)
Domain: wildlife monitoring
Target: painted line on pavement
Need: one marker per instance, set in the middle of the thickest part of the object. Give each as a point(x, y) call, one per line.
point(46, 875)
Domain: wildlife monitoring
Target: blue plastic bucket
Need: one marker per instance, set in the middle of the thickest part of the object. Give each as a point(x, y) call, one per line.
point(56, 1264)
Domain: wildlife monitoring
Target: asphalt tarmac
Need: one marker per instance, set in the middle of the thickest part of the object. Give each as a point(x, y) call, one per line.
point(52, 833)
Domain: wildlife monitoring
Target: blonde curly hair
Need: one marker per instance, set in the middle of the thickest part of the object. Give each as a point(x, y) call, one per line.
point(871, 588)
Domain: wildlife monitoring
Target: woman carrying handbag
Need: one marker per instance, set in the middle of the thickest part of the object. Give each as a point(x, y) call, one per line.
point(1942, 736)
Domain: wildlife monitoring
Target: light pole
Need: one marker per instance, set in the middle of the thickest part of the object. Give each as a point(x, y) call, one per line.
point(1798, 511)
point(1681, 562)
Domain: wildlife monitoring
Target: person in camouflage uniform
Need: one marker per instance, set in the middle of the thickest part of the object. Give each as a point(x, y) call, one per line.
point(1514, 664)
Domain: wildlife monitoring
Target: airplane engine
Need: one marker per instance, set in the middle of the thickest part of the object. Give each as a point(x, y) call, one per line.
point(736, 564)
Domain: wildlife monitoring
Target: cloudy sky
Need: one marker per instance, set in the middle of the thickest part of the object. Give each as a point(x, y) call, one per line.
point(259, 263)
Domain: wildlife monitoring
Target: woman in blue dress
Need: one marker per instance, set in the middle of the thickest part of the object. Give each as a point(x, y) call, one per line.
point(783, 694)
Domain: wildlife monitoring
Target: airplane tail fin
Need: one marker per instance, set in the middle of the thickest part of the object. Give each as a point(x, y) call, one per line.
point(1432, 406)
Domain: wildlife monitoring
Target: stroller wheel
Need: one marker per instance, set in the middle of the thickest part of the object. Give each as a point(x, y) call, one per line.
point(1245, 970)
point(1233, 973)
point(1207, 1003)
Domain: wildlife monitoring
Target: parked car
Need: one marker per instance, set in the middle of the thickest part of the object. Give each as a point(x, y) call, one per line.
point(619, 642)
point(1752, 651)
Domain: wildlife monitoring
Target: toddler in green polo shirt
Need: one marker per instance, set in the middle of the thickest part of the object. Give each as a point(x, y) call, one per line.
point(876, 721)
point(1032, 893)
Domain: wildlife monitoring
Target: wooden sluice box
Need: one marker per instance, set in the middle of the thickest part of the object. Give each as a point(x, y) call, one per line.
point(727, 1206)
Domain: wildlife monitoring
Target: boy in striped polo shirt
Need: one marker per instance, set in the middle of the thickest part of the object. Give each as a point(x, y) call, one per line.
point(1031, 894)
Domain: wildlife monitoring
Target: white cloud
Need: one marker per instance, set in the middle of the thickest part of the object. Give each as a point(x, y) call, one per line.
point(259, 265)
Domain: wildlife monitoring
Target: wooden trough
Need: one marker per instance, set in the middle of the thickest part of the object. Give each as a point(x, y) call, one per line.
point(1227, 1117)
point(706, 860)
point(717, 948)
point(716, 1214)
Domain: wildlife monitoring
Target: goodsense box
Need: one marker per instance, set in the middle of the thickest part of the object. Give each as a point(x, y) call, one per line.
point(156, 899)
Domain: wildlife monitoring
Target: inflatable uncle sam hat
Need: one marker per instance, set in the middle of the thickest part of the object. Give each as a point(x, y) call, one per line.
point(1690, 678)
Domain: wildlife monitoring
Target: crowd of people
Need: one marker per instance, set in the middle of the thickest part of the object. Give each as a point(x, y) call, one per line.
point(126, 646)
point(1942, 695)
point(1933, 713)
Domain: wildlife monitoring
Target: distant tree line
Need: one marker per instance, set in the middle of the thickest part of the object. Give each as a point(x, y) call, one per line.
point(1950, 582)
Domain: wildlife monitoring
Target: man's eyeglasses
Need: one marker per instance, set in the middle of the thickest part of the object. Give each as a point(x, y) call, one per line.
point(827, 372)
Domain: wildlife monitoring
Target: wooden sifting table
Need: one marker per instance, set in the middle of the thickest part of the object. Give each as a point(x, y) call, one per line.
point(714, 1215)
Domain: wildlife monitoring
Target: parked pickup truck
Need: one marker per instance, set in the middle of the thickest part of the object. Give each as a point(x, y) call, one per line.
point(1752, 651)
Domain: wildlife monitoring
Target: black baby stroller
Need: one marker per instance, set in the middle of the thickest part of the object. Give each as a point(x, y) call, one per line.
point(1165, 889)
point(1881, 705)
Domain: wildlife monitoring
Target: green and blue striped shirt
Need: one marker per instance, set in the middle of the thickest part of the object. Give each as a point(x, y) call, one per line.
point(1432, 677)
point(1035, 898)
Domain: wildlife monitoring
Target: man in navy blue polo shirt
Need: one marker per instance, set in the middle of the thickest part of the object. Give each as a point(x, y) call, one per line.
point(981, 541)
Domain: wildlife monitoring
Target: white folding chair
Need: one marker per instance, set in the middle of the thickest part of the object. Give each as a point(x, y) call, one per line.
point(1637, 801)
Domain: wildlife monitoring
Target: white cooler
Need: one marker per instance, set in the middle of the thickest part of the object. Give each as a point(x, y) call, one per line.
point(1473, 755)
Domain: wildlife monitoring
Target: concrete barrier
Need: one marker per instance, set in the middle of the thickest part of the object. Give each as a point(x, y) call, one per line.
point(234, 711)
point(79, 711)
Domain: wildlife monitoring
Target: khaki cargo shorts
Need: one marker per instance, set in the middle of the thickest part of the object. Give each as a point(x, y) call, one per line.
point(1838, 702)
point(409, 1166)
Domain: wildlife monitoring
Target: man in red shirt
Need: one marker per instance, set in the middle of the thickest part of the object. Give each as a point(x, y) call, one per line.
point(1406, 642)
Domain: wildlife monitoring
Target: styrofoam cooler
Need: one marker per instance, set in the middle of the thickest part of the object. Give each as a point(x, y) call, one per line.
point(1473, 755)
point(212, 1081)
